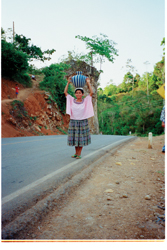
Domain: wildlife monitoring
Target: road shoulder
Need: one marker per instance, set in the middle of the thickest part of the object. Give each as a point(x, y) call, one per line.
point(122, 198)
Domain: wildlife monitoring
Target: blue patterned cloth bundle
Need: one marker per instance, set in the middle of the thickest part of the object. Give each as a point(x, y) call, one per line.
point(79, 80)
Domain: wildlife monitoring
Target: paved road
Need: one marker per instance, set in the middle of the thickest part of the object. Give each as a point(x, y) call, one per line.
point(30, 161)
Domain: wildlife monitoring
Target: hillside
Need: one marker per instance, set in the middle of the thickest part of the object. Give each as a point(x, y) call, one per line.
point(124, 113)
point(31, 114)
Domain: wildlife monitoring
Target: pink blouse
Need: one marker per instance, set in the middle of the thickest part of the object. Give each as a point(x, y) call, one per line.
point(79, 110)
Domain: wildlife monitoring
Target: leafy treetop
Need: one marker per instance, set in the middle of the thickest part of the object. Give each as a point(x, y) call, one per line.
point(100, 46)
point(22, 44)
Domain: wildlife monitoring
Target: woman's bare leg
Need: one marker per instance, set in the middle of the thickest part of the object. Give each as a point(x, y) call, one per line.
point(78, 150)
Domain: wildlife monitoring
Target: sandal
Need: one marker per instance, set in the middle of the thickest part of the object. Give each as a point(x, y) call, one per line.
point(78, 157)
point(74, 156)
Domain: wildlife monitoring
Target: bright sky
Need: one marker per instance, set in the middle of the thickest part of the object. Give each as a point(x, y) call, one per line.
point(137, 26)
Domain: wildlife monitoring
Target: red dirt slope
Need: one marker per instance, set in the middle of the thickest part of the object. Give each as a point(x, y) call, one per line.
point(42, 119)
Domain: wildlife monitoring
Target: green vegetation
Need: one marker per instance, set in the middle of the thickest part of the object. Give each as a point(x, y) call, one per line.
point(61, 130)
point(17, 55)
point(34, 71)
point(14, 64)
point(18, 110)
point(134, 105)
point(127, 113)
point(16, 102)
point(21, 43)
point(54, 82)
point(33, 118)
point(100, 48)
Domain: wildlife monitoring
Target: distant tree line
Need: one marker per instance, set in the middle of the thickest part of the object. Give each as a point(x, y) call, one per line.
point(129, 106)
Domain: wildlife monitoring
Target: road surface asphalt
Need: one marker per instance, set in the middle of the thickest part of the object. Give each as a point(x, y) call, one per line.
point(32, 167)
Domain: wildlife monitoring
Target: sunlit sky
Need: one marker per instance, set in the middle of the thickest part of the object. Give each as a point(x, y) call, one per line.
point(137, 26)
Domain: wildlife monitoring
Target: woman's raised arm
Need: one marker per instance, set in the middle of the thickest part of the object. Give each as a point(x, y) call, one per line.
point(66, 87)
point(89, 86)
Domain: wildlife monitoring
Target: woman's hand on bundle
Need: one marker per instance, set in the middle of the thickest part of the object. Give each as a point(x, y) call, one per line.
point(88, 80)
point(69, 79)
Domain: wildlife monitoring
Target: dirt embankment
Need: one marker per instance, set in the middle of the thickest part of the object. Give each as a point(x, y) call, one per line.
point(38, 115)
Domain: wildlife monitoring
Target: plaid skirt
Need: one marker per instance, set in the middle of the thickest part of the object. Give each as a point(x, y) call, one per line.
point(78, 133)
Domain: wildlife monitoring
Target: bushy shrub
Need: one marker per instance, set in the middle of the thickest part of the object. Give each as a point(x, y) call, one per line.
point(54, 82)
point(24, 79)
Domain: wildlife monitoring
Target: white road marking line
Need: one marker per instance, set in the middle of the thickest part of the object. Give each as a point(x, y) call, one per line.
point(34, 184)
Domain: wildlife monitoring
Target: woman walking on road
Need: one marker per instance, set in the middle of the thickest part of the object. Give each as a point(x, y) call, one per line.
point(79, 109)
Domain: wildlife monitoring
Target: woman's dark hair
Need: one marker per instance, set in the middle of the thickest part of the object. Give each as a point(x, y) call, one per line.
point(80, 90)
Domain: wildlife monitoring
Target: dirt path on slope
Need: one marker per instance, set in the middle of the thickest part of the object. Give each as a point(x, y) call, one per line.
point(23, 93)
point(122, 199)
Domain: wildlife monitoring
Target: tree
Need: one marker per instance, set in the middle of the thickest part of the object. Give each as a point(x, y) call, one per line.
point(147, 63)
point(99, 92)
point(136, 80)
point(2, 34)
point(127, 82)
point(110, 89)
point(22, 43)
point(17, 55)
point(132, 70)
point(73, 55)
point(159, 69)
point(101, 47)
point(163, 44)
point(14, 63)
